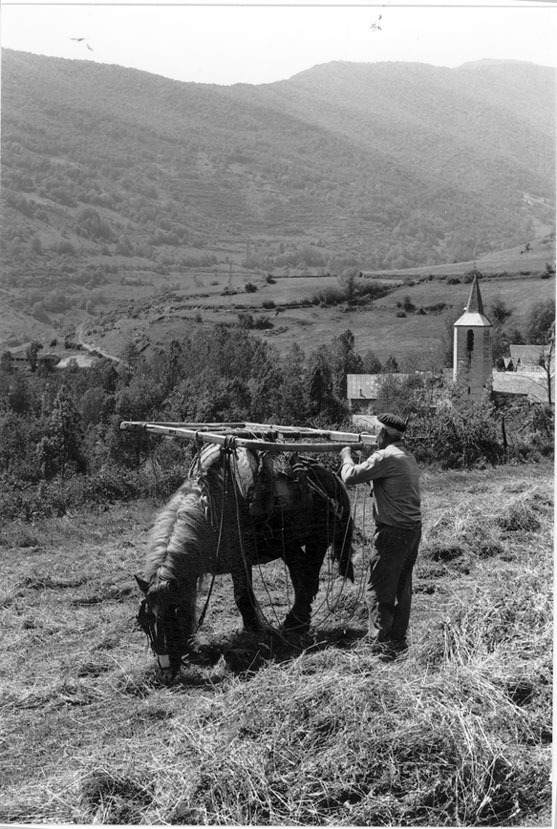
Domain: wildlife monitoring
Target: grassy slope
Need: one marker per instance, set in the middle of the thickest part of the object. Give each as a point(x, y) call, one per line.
point(457, 733)
point(375, 326)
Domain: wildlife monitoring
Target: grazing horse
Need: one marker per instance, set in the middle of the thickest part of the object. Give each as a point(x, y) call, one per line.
point(235, 510)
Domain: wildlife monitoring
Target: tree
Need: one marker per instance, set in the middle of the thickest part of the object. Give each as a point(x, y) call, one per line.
point(31, 353)
point(323, 404)
point(131, 356)
point(91, 406)
point(293, 396)
point(15, 394)
point(499, 311)
point(541, 322)
point(343, 360)
point(391, 365)
point(371, 364)
point(172, 367)
point(90, 225)
point(16, 441)
point(59, 450)
point(347, 280)
point(546, 361)
point(7, 362)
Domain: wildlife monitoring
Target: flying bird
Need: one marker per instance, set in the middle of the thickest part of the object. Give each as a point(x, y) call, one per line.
point(375, 27)
point(80, 40)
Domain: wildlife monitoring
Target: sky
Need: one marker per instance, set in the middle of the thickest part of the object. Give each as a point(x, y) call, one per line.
point(225, 43)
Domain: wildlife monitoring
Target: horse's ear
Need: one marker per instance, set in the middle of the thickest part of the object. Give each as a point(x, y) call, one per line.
point(143, 585)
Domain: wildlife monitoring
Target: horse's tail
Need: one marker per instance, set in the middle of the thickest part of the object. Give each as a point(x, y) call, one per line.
point(330, 487)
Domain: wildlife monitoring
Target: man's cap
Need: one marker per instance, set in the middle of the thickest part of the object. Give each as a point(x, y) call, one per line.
point(392, 421)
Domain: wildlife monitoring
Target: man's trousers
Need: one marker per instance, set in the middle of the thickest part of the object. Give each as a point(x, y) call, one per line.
point(389, 587)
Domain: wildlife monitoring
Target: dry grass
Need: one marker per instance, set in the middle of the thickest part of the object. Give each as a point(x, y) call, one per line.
point(264, 731)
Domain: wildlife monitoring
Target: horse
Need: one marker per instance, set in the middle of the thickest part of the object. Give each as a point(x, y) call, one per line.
point(234, 510)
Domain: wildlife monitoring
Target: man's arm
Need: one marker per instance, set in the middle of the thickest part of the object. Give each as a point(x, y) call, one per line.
point(353, 473)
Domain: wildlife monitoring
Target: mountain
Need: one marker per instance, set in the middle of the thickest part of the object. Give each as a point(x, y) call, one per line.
point(392, 163)
point(113, 177)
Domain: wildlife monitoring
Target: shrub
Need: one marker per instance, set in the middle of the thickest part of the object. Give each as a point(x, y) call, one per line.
point(437, 308)
point(458, 437)
point(329, 296)
point(263, 322)
point(27, 502)
point(246, 320)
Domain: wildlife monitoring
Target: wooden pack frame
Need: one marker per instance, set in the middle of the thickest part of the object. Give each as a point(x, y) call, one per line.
point(269, 437)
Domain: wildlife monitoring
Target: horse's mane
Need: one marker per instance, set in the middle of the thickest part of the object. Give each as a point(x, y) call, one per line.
point(193, 518)
point(183, 521)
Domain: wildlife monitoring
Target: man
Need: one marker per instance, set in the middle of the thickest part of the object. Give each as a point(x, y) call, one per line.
point(394, 475)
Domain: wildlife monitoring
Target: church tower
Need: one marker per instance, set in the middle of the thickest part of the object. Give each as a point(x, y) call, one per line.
point(472, 362)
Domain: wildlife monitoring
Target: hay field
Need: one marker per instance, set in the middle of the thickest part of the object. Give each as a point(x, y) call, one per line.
point(263, 731)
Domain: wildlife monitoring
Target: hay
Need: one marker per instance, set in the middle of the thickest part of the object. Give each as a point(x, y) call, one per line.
point(457, 732)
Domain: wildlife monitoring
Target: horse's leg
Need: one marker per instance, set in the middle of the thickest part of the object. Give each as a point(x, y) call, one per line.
point(304, 569)
point(187, 610)
point(245, 598)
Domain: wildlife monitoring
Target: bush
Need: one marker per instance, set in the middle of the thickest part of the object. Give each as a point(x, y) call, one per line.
point(246, 320)
point(28, 502)
point(329, 296)
point(263, 322)
point(458, 437)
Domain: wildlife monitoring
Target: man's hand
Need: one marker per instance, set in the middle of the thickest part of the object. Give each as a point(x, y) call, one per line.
point(346, 454)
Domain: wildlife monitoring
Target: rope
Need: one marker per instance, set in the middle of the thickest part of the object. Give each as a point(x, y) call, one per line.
point(329, 600)
point(219, 544)
point(332, 603)
point(245, 560)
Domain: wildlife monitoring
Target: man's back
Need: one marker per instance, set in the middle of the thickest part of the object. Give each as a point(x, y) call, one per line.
point(395, 476)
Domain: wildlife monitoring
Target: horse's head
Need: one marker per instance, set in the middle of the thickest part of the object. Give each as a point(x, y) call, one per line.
point(165, 616)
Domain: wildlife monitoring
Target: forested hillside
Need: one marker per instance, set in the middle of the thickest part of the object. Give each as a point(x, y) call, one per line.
point(385, 165)
point(119, 186)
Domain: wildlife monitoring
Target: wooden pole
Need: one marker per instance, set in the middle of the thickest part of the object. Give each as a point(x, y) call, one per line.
point(233, 440)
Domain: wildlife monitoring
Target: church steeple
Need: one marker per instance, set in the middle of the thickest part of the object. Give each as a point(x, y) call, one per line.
point(475, 304)
point(474, 311)
point(472, 364)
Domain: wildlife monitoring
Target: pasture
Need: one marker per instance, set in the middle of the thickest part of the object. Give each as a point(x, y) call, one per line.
point(137, 304)
point(276, 731)
point(287, 306)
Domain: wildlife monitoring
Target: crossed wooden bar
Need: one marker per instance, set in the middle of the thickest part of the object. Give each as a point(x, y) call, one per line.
point(265, 436)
